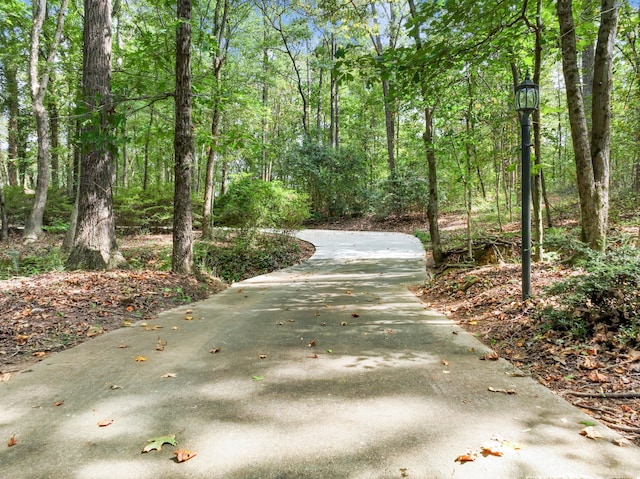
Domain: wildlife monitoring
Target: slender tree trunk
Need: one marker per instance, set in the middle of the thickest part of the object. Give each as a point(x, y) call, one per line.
point(536, 190)
point(147, 140)
point(182, 258)
point(4, 221)
point(591, 151)
point(55, 143)
point(12, 127)
point(432, 165)
point(39, 80)
point(470, 156)
point(94, 244)
point(334, 124)
point(266, 162)
point(219, 30)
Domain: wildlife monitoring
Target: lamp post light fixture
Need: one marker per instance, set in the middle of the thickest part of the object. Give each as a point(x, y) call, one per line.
point(527, 101)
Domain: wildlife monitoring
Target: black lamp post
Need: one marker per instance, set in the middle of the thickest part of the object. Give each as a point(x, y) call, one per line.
point(527, 101)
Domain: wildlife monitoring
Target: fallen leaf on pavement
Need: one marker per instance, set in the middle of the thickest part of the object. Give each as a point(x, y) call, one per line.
point(493, 448)
point(169, 375)
point(590, 432)
point(4, 377)
point(467, 457)
point(312, 343)
point(58, 403)
point(215, 350)
point(355, 315)
point(183, 455)
point(12, 441)
point(262, 356)
point(156, 443)
point(160, 345)
point(140, 359)
point(343, 323)
point(313, 356)
point(39, 354)
point(490, 356)
point(105, 422)
point(622, 442)
point(444, 362)
point(505, 391)
point(257, 378)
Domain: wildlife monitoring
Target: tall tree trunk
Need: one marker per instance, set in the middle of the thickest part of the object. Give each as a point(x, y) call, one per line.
point(432, 165)
point(39, 80)
point(537, 197)
point(182, 257)
point(334, 120)
point(147, 140)
point(266, 162)
point(94, 244)
point(591, 151)
point(220, 30)
point(4, 221)
point(55, 142)
point(12, 127)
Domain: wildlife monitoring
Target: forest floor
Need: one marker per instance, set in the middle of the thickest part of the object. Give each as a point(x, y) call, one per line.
point(49, 312)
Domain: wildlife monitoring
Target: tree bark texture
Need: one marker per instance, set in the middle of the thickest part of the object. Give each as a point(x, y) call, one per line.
point(11, 75)
point(591, 151)
point(94, 245)
point(182, 258)
point(432, 165)
point(38, 81)
point(221, 33)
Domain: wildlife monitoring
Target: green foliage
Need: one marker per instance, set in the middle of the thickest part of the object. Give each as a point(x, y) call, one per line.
point(135, 207)
point(335, 179)
point(38, 261)
point(605, 300)
point(57, 211)
point(423, 236)
point(404, 193)
point(253, 203)
point(244, 258)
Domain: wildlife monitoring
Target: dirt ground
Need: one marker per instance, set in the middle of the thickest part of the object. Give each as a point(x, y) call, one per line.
point(43, 314)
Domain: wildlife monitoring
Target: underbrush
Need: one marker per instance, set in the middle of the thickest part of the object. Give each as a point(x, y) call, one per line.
point(232, 257)
point(229, 256)
point(602, 303)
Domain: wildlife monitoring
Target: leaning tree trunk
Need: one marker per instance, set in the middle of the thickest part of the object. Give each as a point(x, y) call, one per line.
point(94, 245)
point(39, 80)
point(182, 258)
point(591, 151)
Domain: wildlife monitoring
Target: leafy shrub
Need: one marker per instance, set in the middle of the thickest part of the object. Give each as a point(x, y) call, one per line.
point(604, 301)
point(253, 203)
point(135, 207)
point(37, 261)
point(57, 210)
point(244, 258)
point(332, 177)
point(404, 193)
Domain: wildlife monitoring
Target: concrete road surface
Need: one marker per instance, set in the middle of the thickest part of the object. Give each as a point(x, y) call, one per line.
point(328, 370)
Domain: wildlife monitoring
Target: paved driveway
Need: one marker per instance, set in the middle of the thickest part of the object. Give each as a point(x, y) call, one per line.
point(327, 370)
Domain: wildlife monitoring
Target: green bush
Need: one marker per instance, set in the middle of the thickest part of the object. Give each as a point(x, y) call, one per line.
point(605, 300)
point(402, 194)
point(244, 258)
point(333, 177)
point(253, 203)
point(57, 210)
